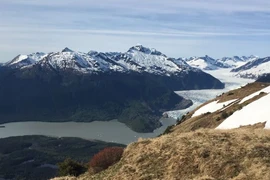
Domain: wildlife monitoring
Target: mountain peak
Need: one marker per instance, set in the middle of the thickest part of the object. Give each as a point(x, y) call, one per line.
point(140, 48)
point(145, 50)
point(66, 49)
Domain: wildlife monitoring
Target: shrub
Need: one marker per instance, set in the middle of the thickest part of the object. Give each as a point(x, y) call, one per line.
point(218, 119)
point(240, 107)
point(167, 130)
point(183, 118)
point(70, 167)
point(207, 113)
point(105, 158)
point(224, 115)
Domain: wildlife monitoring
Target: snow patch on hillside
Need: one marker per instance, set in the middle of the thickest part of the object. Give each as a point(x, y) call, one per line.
point(266, 90)
point(212, 107)
point(255, 112)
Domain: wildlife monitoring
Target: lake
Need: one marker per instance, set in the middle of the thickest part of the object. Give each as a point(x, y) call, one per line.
point(110, 131)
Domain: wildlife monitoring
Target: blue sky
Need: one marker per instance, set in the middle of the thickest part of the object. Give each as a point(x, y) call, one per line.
point(178, 28)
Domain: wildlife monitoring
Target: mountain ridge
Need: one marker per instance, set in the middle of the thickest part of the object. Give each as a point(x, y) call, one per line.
point(136, 58)
point(135, 87)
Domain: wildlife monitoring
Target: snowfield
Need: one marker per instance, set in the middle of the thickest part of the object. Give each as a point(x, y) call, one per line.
point(202, 64)
point(255, 112)
point(212, 107)
point(265, 90)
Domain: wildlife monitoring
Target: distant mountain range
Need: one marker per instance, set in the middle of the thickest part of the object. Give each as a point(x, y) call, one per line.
point(206, 63)
point(134, 87)
point(136, 59)
point(250, 67)
point(209, 63)
point(139, 59)
point(254, 69)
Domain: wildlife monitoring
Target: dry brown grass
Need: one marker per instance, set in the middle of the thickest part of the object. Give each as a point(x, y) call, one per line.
point(201, 155)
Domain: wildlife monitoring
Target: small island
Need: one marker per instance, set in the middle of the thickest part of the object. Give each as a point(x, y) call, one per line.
point(2, 126)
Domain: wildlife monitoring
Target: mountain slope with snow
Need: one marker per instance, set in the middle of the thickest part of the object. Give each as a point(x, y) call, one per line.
point(137, 59)
point(237, 61)
point(21, 61)
point(253, 113)
point(206, 63)
point(254, 69)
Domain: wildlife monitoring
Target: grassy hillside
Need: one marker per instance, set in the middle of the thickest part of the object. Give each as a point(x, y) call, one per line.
point(193, 150)
point(203, 154)
point(212, 120)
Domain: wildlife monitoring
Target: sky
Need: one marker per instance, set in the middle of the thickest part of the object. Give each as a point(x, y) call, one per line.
point(177, 28)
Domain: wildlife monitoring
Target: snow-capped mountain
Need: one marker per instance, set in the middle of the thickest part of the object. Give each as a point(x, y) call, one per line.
point(206, 63)
point(142, 59)
point(137, 59)
point(253, 69)
point(25, 60)
point(237, 61)
point(134, 87)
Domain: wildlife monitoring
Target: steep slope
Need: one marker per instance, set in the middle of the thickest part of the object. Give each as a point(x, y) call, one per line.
point(254, 69)
point(206, 63)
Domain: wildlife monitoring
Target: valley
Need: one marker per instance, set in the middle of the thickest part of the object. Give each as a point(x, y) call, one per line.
point(135, 87)
point(134, 90)
point(112, 131)
point(120, 99)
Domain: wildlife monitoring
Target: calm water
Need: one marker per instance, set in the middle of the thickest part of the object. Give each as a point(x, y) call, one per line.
point(111, 131)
